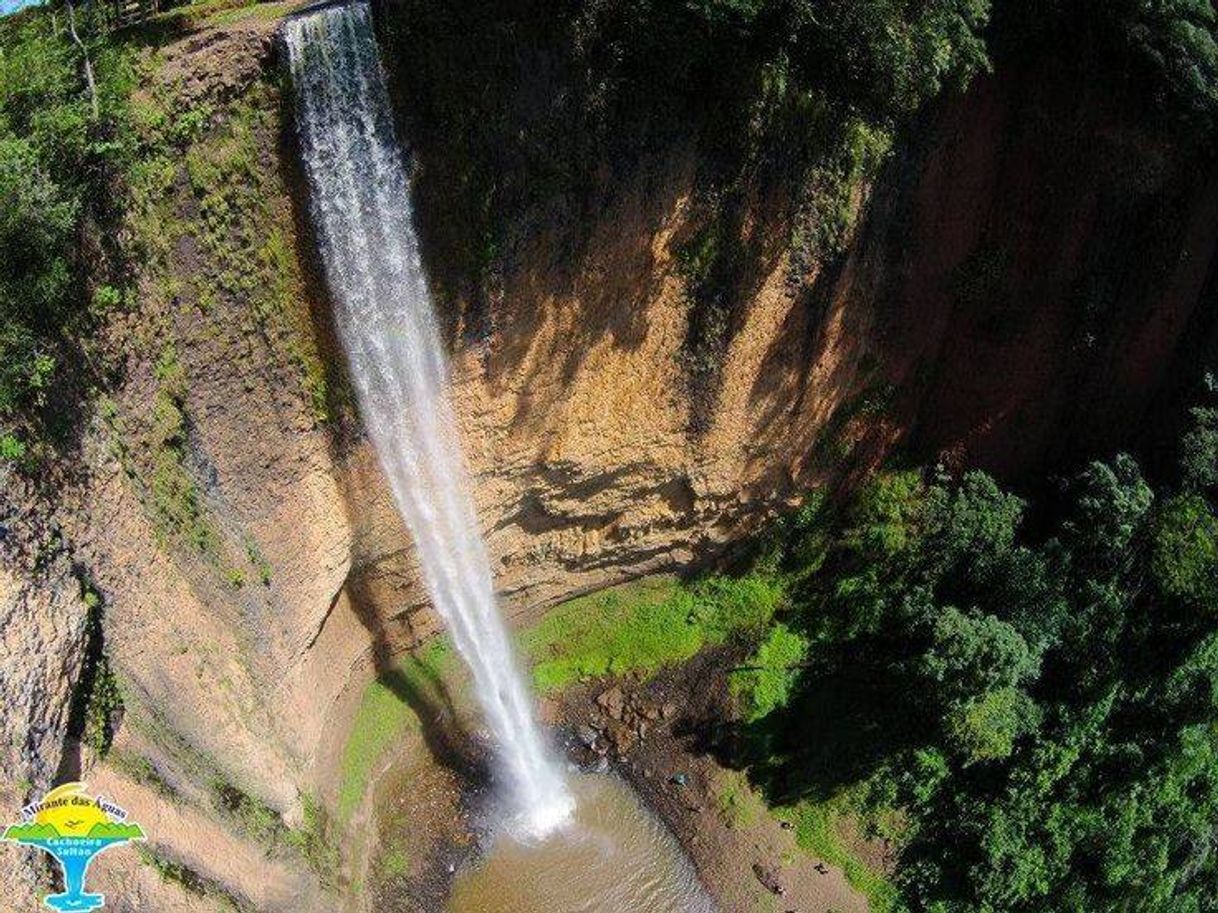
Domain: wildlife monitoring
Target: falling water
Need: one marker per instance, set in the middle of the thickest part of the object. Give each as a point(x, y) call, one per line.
point(362, 216)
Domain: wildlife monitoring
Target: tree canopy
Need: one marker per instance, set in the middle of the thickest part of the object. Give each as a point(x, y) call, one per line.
point(57, 165)
point(1043, 708)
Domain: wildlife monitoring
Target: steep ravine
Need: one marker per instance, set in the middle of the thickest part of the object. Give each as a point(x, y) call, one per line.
point(251, 571)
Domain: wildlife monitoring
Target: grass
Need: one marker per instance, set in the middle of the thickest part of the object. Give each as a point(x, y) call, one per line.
point(383, 716)
point(178, 512)
point(207, 172)
point(172, 871)
point(251, 259)
point(643, 626)
point(769, 678)
point(737, 803)
point(249, 10)
point(207, 12)
point(395, 863)
point(314, 841)
point(818, 831)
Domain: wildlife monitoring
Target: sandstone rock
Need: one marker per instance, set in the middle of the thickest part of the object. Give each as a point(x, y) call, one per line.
point(613, 702)
point(622, 737)
point(577, 432)
point(43, 636)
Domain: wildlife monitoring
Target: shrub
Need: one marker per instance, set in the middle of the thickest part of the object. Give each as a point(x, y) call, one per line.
point(769, 677)
point(58, 168)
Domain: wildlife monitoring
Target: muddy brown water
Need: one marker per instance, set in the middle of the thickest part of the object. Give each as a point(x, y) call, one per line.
point(613, 857)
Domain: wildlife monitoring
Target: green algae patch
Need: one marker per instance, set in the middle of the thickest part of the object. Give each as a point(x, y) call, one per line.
point(643, 626)
point(385, 714)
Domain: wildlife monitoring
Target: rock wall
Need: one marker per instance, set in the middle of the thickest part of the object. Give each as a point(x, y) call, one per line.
point(43, 636)
point(1048, 273)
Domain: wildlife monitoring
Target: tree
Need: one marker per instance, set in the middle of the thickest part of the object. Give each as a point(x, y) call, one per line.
point(62, 117)
point(1050, 704)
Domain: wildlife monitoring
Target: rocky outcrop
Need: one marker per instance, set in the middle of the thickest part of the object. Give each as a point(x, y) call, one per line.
point(43, 638)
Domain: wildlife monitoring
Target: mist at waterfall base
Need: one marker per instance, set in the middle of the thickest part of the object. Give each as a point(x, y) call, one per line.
point(362, 217)
point(614, 857)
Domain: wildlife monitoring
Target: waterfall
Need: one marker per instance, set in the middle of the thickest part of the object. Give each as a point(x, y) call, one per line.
point(362, 216)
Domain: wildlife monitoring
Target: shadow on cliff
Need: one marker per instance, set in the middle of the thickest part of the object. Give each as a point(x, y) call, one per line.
point(1039, 278)
point(420, 686)
point(546, 203)
point(411, 680)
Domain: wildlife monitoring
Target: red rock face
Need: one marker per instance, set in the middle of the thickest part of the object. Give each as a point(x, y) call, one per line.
point(1046, 274)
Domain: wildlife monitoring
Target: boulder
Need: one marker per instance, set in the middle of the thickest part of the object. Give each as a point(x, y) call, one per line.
point(613, 702)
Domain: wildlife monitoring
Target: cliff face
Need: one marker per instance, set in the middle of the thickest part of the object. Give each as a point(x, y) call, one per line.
point(1047, 274)
point(1000, 302)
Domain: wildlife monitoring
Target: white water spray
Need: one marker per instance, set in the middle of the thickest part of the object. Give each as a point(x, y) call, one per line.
point(362, 215)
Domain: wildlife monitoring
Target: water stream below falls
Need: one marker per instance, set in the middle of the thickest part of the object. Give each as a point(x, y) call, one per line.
point(613, 857)
point(362, 216)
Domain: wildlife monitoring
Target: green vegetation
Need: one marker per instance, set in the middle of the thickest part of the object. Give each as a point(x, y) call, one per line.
point(315, 841)
point(1165, 51)
point(179, 516)
point(173, 871)
point(818, 831)
point(766, 683)
point(395, 863)
point(384, 713)
point(1028, 712)
point(62, 149)
point(104, 704)
point(249, 814)
point(801, 98)
point(90, 200)
point(249, 257)
point(258, 560)
point(141, 770)
point(736, 801)
point(643, 626)
point(97, 700)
